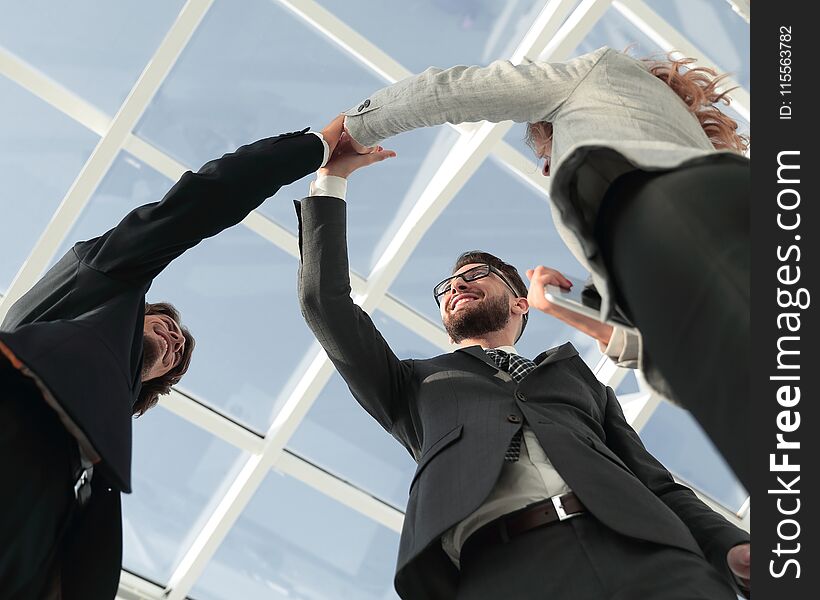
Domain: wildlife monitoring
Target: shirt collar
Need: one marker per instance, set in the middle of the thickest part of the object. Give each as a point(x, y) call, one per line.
point(507, 349)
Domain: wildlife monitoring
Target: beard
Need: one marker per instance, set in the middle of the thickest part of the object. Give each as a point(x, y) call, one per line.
point(478, 319)
point(150, 354)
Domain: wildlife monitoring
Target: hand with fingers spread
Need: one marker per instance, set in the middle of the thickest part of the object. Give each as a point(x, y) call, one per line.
point(345, 159)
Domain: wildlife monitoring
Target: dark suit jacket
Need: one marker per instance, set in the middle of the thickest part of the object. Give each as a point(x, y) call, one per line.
point(456, 413)
point(80, 328)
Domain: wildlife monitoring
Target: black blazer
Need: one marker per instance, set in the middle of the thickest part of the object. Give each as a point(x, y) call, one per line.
point(80, 328)
point(456, 413)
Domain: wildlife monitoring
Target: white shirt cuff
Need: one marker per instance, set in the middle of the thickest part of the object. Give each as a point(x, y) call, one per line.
point(326, 156)
point(329, 185)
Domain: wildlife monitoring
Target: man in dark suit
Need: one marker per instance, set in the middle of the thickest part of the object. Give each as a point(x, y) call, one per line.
point(530, 483)
point(82, 352)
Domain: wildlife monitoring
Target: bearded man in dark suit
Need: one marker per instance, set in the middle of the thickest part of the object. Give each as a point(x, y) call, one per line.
point(530, 483)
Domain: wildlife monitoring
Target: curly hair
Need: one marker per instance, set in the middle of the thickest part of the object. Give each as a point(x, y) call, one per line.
point(152, 389)
point(697, 87)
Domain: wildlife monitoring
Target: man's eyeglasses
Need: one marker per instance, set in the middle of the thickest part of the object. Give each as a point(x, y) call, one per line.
point(478, 272)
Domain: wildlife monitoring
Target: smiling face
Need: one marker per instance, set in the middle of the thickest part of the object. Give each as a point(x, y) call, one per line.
point(163, 346)
point(472, 309)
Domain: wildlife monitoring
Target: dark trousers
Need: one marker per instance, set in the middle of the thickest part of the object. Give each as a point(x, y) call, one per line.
point(37, 501)
point(676, 245)
point(581, 559)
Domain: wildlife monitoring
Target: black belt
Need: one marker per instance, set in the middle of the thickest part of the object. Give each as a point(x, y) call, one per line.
point(503, 529)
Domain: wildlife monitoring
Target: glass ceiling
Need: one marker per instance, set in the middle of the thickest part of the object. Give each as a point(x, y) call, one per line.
point(260, 477)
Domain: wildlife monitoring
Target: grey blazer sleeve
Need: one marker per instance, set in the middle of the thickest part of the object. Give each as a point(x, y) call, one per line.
point(714, 534)
point(379, 381)
point(624, 348)
point(498, 92)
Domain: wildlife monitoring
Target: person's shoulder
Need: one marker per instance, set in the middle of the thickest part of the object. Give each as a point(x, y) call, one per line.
point(439, 358)
point(595, 55)
point(433, 363)
point(601, 51)
point(582, 64)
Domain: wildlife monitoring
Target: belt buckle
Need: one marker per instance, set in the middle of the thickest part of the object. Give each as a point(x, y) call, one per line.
point(559, 509)
point(81, 490)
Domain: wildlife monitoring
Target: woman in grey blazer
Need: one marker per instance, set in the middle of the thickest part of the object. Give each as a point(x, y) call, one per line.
point(649, 189)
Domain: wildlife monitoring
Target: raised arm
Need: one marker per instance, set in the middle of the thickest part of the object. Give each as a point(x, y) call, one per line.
point(714, 534)
point(379, 381)
point(201, 204)
point(498, 92)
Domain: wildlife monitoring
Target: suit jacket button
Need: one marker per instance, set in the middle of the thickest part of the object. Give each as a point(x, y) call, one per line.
point(366, 103)
point(361, 108)
point(513, 418)
point(520, 396)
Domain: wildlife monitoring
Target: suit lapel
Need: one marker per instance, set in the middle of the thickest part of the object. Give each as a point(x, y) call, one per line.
point(552, 355)
point(478, 353)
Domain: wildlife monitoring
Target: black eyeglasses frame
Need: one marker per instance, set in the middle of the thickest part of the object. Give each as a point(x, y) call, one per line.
point(490, 269)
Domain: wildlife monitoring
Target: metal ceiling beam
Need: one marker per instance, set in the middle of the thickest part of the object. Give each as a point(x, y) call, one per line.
point(467, 155)
point(287, 241)
point(97, 121)
point(642, 416)
point(670, 39)
point(460, 163)
point(53, 93)
point(134, 587)
point(286, 462)
point(650, 407)
point(212, 421)
point(743, 8)
point(348, 39)
point(106, 150)
point(250, 476)
point(270, 451)
point(340, 490)
point(609, 373)
point(745, 513)
point(560, 46)
point(542, 30)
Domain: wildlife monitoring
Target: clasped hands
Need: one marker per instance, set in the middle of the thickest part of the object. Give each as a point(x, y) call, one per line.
point(346, 154)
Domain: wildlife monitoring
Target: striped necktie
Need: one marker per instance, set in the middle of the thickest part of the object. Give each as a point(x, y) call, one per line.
point(518, 367)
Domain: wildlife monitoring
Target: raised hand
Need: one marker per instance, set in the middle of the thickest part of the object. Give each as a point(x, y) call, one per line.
point(345, 159)
point(333, 132)
point(739, 559)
